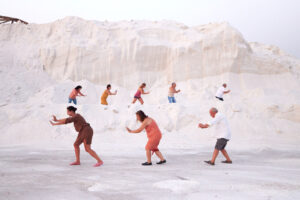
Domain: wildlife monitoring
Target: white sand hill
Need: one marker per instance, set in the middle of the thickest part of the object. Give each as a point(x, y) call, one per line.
point(41, 63)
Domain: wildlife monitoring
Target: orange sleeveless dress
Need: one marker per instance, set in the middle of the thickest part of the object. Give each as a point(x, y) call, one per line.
point(154, 136)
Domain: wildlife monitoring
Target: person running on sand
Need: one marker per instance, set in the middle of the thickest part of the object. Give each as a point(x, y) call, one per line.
point(221, 91)
point(75, 92)
point(85, 134)
point(153, 134)
point(138, 94)
point(172, 91)
point(223, 135)
point(106, 93)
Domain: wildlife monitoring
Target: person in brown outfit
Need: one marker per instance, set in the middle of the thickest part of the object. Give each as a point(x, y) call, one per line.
point(85, 134)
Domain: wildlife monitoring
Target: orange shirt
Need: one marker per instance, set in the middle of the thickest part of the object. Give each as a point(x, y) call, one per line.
point(73, 94)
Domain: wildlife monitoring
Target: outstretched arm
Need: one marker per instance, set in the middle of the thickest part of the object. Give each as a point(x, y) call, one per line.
point(225, 92)
point(112, 93)
point(80, 94)
point(142, 127)
point(58, 121)
point(177, 91)
point(203, 125)
point(143, 92)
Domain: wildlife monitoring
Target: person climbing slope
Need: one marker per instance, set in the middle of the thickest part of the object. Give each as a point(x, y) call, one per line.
point(75, 92)
point(221, 91)
point(138, 94)
point(172, 91)
point(106, 93)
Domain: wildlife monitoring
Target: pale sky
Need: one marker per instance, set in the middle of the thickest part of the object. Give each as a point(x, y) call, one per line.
point(274, 22)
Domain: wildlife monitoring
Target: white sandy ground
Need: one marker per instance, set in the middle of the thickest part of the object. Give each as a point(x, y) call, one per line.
point(263, 110)
point(39, 173)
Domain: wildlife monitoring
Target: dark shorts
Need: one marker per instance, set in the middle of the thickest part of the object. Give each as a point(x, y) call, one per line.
point(85, 134)
point(221, 143)
point(137, 97)
point(221, 99)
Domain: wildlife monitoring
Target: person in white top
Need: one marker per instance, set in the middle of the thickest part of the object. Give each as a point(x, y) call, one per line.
point(221, 91)
point(172, 91)
point(222, 134)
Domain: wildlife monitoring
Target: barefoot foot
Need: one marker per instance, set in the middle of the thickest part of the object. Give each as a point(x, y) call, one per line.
point(75, 163)
point(98, 164)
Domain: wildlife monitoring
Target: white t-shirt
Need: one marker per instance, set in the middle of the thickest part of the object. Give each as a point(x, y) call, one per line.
point(220, 92)
point(221, 125)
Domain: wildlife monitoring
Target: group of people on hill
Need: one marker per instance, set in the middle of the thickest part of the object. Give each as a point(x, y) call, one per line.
point(85, 132)
point(107, 92)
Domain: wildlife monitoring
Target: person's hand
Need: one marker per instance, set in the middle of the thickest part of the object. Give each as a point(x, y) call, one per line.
point(200, 125)
point(128, 130)
point(116, 91)
point(51, 123)
point(54, 118)
point(179, 90)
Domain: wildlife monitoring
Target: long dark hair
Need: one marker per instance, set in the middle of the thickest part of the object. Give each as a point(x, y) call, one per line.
point(142, 115)
point(71, 108)
point(78, 87)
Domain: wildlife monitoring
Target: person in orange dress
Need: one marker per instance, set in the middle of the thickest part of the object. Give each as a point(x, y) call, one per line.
point(75, 92)
point(153, 134)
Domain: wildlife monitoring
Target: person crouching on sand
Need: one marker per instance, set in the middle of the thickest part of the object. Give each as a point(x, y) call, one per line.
point(153, 134)
point(85, 134)
point(223, 135)
point(138, 94)
point(106, 93)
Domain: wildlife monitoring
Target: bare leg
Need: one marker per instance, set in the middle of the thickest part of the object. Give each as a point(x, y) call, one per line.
point(134, 100)
point(92, 152)
point(148, 154)
point(77, 154)
point(215, 154)
point(225, 154)
point(141, 101)
point(158, 153)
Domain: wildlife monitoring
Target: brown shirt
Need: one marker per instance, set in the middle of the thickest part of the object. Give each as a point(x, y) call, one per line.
point(79, 122)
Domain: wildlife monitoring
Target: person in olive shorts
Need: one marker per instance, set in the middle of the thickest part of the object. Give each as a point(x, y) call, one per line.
point(222, 133)
point(85, 134)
